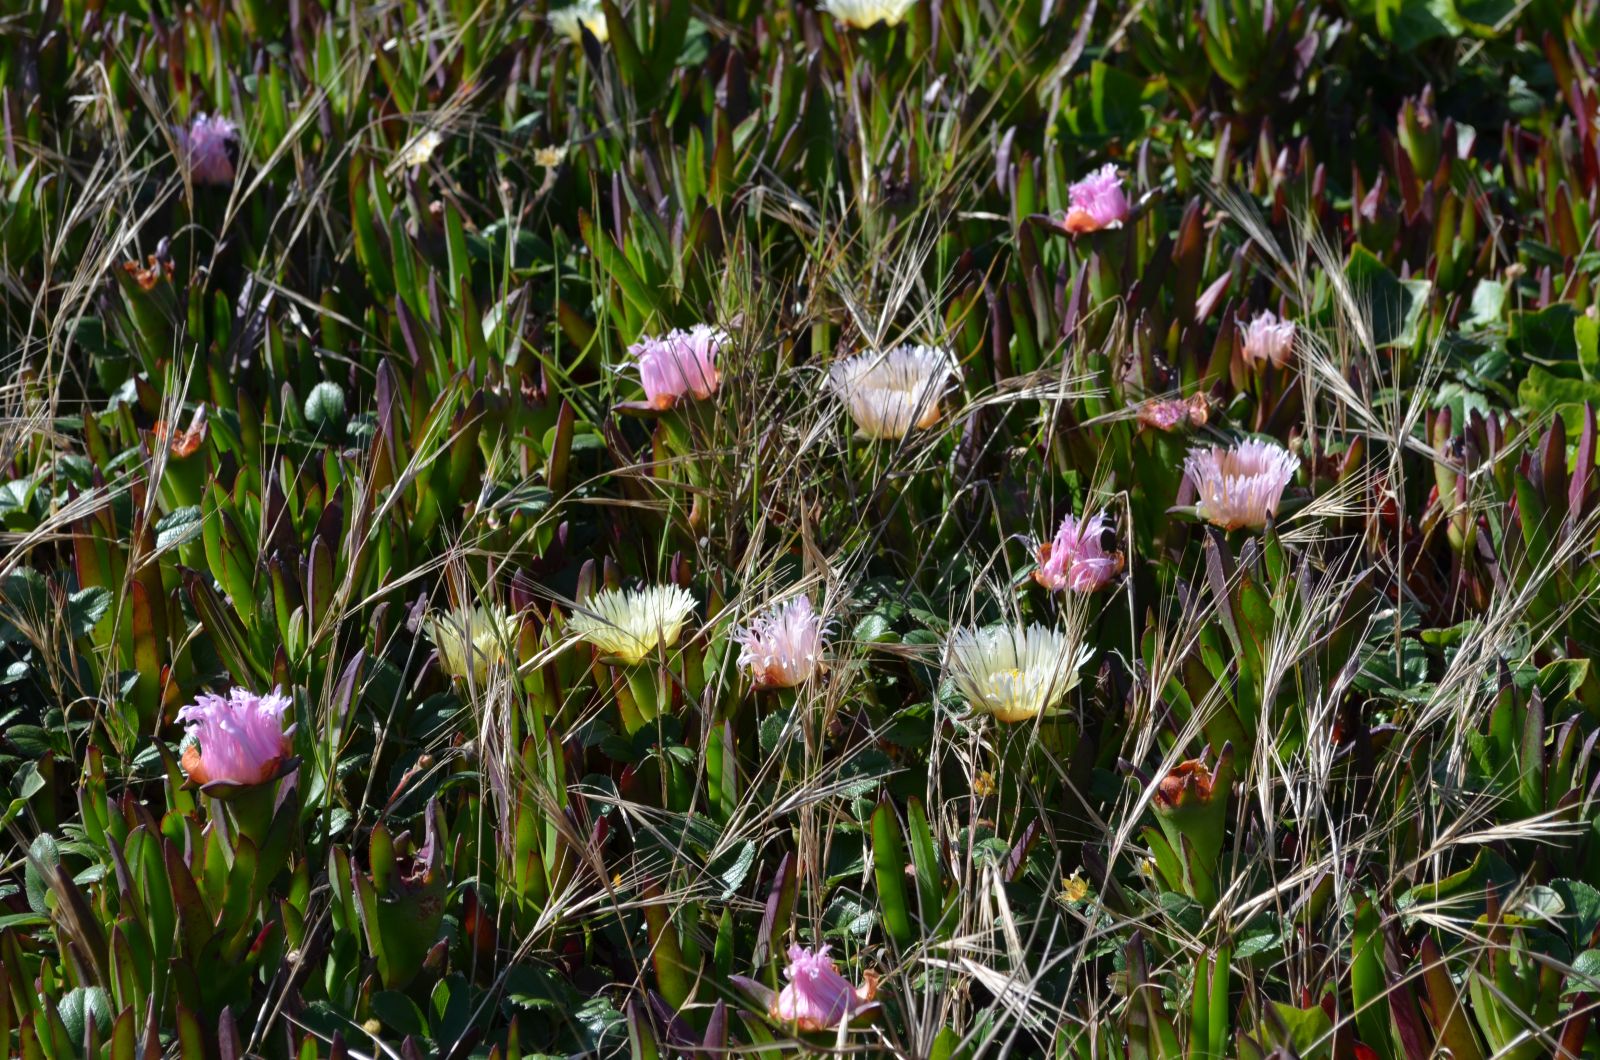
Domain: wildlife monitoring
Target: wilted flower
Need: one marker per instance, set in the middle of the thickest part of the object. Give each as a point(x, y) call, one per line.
point(472, 640)
point(210, 147)
point(889, 393)
point(182, 443)
point(817, 997)
point(1268, 339)
point(1171, 414)
point(631, 623)
point(572, 20)
point(1191, 806)
point(1097, 202)
point(236, 741)
point(1014, 673)
point(1240, 486)
point(1083, 557)
point(679, 363)
point(782, 646)
point(864, 14)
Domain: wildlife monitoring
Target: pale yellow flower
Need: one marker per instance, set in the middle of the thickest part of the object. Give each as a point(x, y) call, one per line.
point(631, 623)
point(1012, 672)
point(864, 14)
point(470, 641)
point(572, 20)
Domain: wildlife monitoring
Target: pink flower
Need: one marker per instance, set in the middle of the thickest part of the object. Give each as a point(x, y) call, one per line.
point(210, 146)
point(237, 741)
point(1266, 338)
point(782, 646)
point(817, 997)
point(1097, 202)
point(1078, 558)
point(679, 363)
point(1241, 486)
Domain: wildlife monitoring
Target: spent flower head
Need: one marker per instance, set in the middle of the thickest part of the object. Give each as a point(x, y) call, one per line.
point(890, 393)
point(1012, 672)
point(238, 740)
point(631, 623)
point(782, 646)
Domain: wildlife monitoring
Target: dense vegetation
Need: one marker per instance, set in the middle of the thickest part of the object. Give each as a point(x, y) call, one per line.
point(520, 526)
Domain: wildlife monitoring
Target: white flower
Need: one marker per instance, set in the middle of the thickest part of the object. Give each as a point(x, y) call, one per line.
point(1014, 673)
point(1267, 338)
point(421, 148)
point(572, 20)
point(631, 623)
point(890, 393)
point(470, 641)
point(1241, 486)
point(864, 14)
point(782, 646)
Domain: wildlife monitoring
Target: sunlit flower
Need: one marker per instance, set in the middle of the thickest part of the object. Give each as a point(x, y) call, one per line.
point(238, 740)
point(864, 14)
point(1268, 339)
point(679, 363)
point(1240, 486)
point(550, 157)
point(1074, 888)
point(1097, 202)
point(210, 147)
point(572, 20)
point(890, 393)
point(817, 997)
point(182, 443)
point(983, 785)
point(1083, 557)
point(630, 623)
point(1172, 414)
point(782, 646)
point(473, 640)
point(421, 148)
point(1014, 673)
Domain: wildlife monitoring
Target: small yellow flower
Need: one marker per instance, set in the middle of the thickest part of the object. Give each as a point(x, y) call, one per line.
point(1074, 888)
point(550, 157)
point(983, 784)
point(1147, 868)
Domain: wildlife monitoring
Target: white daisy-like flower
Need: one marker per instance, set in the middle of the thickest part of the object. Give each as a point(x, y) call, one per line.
point(864, 14)
point(1012, 672)
point(890, 393)
point(782, 646)
point(572, 20)
point(1240, 486)
point(472, 640)
point(631, 623)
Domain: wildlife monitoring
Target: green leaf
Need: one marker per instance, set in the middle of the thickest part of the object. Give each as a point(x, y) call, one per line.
point(1396, 306)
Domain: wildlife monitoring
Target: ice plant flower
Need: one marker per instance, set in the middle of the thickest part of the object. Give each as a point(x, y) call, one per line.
point(1191, 806)
point(782, 646)
point(1267, 339)
point(1012, 672)
point(890, 393)
point(572, 20)
point(210, 146)
point(817, 997)
point(864, 14)
point(1097, 202)
point(1173, 414)
point(1083, 557)
point(472, 640)
point(1240, 486)
point(679, 363)
point(631, 623)
point(237, 741)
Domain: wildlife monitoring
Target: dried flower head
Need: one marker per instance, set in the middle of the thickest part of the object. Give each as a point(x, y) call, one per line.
point(1174, 414)
point(1083, 557)
point(210, 148)
point(1014, 673)
point(181, 443)
point(782, 646)
point(572, 20)
point(890, 393)
point(864, 14)
point(1268, 340)
point(631, 623)
point(1185, 784)
point(679, 363)
point(470, 642)
point(1242, 485)
point(817, 997)
point(1098, 202)
point(236, 741)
